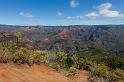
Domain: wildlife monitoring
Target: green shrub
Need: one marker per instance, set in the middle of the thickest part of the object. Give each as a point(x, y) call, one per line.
point(55, 66)
point(112, 70)
point(99, 70)
point(21, 56)
point(119, 74)
point(39, 57)
point(5, 55)
point(103, 71)
point(87, 64)
point(116, 62)
point(61, 60)
point(72, 70)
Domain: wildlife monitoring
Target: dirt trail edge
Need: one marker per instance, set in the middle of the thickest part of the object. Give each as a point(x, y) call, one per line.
point(35, 73)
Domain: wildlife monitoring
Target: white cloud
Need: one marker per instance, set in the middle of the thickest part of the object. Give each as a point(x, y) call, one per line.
point(104, 10)
point(109, 13)
point(92, 14)
point(69, 17)
point(105, 6)
point(26, 14)
point(74, 3)
point(60, 14)
point(74, 17)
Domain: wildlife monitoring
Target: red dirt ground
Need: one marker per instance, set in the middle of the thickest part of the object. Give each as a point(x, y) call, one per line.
point(35, 73)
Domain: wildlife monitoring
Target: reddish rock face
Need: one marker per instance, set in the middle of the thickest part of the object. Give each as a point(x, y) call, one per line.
point(7, 38)
point(64, 33)
point(106, 37)
point(25, 42)
point(46, 40)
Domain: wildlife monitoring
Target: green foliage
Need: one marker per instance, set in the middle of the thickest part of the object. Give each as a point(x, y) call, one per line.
point(58, 60)
point(103, 65)
point(100, 70)
point(18, 34)
point(61, 56)
point(39, 57)
point(72, 70)
point(110, 69)
point(21, 56)
point(116, 62)
point(103, 71)
point(5, 55)
point(116, 75)
point(12, 53)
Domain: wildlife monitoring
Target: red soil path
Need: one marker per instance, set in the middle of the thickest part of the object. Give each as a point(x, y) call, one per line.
point(35, 73)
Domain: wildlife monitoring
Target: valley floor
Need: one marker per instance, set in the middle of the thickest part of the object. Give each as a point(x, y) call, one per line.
point(36, 73)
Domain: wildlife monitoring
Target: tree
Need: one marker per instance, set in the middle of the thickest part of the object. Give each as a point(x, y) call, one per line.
point(17, 35)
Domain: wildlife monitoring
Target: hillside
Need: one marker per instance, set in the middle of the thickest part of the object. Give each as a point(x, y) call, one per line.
point(68, 38)
point(35, 73)
point(101, 65)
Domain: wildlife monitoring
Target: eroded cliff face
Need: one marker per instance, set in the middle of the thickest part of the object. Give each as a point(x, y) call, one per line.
point(72, 38)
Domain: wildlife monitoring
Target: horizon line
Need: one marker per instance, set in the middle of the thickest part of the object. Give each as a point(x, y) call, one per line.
point(59, 25)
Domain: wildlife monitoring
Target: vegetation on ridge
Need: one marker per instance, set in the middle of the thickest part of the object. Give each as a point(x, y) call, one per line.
point(107, 69)
point(68, 49)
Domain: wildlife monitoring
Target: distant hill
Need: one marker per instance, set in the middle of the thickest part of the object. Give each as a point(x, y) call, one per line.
point(72, 38)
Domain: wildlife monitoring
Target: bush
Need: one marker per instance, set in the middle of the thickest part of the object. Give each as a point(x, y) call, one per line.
point(61, 60)
point(12, 53)
point(5, 55)
point(100, 70)
point(119, 74)
point(72, 70)
point(21, 56)
point(103, 71)
point(112, 70)
point(87, 64)
point(39, 57)
point(116, 62)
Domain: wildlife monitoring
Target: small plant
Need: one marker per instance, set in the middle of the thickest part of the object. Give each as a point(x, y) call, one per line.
point(72, 70)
